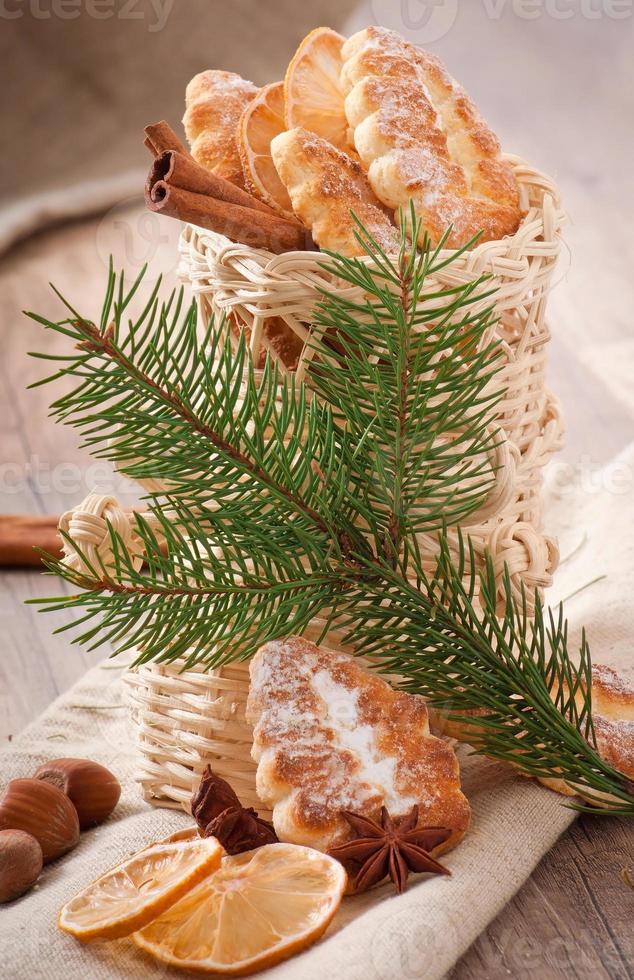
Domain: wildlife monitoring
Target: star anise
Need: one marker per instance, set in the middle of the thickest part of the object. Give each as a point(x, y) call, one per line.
point(393, 846)
point(219, 813)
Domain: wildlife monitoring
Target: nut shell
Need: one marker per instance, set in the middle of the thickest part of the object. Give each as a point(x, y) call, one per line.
point(91, 788)
point(20, 863)
point(42, 810)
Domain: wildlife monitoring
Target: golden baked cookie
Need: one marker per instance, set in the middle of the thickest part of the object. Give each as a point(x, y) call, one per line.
point(421, 138)
point(331, 736)
point(613, 717)
point(325, 185)
point(214, 102)
point(278, 339)
point(613, 720)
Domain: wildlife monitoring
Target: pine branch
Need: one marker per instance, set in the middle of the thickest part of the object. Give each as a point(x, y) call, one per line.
point(207, 602)
point(281, 504)
point(413, 388)
point(510, 682)
point(162, 405)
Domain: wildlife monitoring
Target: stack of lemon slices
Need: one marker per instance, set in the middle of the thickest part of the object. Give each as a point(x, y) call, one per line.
point(191, 906)
point(310, 96)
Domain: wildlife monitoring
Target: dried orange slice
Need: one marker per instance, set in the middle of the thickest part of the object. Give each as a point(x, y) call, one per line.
point(132, 894)
point(263, 119)
point(259, 908)
point(312, 91)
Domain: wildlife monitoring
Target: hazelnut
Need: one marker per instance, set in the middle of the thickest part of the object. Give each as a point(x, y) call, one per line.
point(20, 863)
point(42, 810)
point(91, 788)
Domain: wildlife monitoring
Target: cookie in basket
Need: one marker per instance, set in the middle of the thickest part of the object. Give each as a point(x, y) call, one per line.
point(324, 185)
point(421, 139)
point(332, 736)
point(215, 101)
point(276, 339)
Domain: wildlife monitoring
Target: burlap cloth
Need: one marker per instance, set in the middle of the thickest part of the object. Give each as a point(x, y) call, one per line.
point(374, 937)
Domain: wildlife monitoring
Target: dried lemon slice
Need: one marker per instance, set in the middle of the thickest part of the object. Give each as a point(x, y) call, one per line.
point(259, 908)
point(137, 890)
point(312, 90)
point(263, 119)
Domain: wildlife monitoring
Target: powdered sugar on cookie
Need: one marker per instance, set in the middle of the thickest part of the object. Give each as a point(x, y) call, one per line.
point(331, 736)
point(420, 138)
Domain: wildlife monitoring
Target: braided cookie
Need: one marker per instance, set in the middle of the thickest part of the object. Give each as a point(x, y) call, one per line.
point(421, 138)
point(325, 185)
point(214, 102)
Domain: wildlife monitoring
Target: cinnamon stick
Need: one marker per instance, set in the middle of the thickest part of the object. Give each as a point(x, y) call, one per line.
point(20, 535)
point(241, 224)
point(160, 137)
point(182, 171)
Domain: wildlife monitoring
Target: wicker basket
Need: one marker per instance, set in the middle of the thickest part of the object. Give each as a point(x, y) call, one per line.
point(187, 718)
point(253, 286)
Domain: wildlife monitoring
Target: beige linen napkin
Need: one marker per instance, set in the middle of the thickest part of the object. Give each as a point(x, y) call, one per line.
point(378, 936)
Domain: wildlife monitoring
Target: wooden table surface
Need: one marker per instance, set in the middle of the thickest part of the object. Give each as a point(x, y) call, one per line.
point(574, 917)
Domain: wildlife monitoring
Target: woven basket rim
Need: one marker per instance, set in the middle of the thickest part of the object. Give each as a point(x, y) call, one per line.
point(527, 176)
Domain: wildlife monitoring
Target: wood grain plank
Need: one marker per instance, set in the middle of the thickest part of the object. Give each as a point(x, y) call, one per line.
point(43, 468)
point(572, 919)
